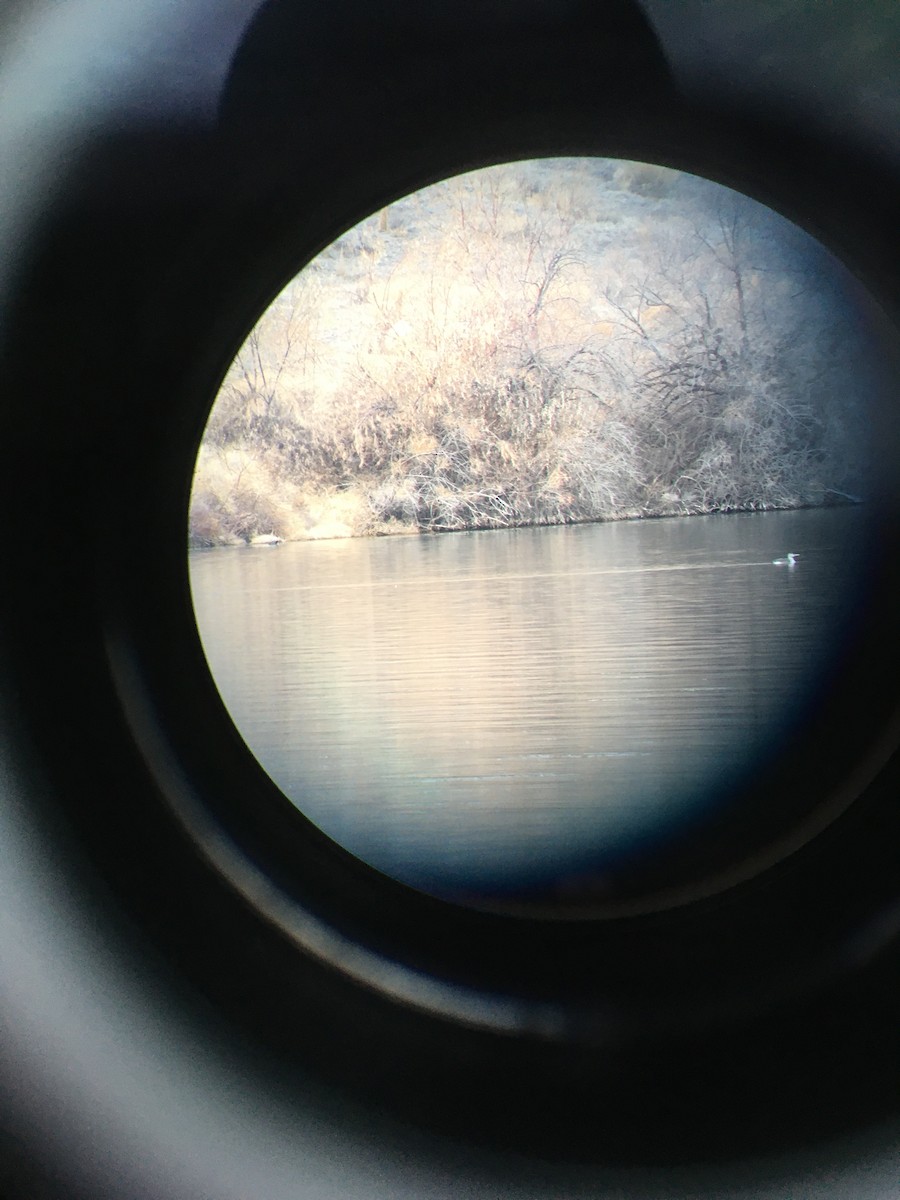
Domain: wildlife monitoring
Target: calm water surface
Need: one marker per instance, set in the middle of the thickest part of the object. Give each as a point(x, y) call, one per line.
point(485, 709)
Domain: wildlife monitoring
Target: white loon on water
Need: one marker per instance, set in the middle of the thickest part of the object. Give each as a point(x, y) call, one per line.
point(785, 562)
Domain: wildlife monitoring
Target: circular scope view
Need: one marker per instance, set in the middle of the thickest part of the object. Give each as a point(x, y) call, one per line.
point(527, 517)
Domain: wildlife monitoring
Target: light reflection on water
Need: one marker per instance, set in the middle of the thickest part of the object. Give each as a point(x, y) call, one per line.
point(474, 710)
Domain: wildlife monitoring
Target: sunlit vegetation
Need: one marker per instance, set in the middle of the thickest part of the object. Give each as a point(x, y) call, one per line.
point(548, 342)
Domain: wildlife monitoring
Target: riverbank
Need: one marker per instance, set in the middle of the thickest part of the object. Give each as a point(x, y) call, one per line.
point(542, 344)
point(348, 514)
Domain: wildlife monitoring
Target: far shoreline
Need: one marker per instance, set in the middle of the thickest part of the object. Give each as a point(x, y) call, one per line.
point(398, 529)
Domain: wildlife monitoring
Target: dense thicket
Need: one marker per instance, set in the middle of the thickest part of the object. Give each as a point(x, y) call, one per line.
point(542, 343)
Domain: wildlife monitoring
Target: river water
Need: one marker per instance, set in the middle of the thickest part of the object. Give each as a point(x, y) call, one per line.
point(478, 710)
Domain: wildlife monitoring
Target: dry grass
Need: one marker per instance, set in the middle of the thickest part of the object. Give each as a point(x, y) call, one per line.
point(538, 343)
